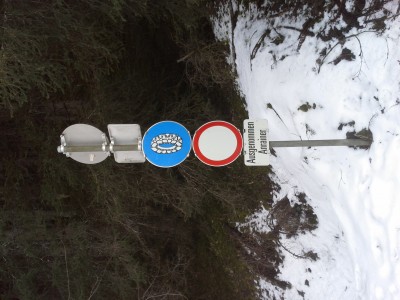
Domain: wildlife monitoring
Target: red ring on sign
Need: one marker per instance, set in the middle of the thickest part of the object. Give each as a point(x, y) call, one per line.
point(217, 163)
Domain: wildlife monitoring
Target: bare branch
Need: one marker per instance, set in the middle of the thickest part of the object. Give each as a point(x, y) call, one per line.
point(98, 281)
point(66, 267)
point(341, 41)
point(361, 57)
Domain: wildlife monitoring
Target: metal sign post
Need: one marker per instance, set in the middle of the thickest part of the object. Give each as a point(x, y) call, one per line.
point(167, 144)
point(100, 148)
point(321, 143)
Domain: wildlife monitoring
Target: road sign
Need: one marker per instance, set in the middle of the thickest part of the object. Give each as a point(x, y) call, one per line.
point(217, 143)
point(256, 143)
point(127, 136)
point(86, 142)
point(166, 144)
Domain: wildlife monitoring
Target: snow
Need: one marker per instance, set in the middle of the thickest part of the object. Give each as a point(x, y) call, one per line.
point(355, 193)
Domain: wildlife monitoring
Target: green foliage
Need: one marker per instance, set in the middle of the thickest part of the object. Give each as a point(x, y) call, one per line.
point(47, 47)
point(72, 231)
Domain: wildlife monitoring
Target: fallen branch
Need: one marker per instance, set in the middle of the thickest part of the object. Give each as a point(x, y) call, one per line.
point(294, 254)
point(258, 45)
point(340, 42)
point(361, 57)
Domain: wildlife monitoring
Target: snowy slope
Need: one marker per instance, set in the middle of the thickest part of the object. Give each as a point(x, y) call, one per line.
point(355, 193)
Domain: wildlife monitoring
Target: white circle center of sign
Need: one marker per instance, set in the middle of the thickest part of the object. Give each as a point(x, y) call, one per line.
point(217, 143)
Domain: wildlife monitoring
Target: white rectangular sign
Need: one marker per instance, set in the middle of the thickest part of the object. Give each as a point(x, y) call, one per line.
point(256, 142)
point(126, 134)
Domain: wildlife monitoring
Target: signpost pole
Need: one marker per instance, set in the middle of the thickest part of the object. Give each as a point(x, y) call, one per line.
point(99, 148)
point(318, 143)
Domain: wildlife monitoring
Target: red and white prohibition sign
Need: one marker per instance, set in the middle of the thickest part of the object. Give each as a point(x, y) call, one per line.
point(217, 143)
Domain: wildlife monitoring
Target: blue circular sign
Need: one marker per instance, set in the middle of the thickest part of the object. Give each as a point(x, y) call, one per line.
point(166, 144)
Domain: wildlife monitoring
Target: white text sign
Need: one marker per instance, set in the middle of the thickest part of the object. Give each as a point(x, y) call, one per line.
point(256, 142)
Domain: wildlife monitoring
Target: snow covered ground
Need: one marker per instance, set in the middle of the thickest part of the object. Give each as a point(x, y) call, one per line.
point(355, 193)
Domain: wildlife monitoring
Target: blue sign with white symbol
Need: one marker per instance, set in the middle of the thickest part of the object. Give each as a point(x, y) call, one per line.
point(166, 144)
